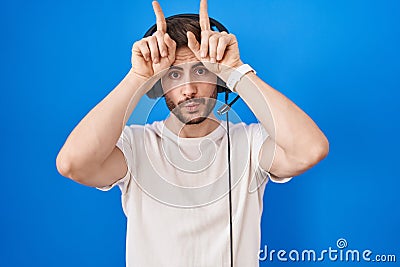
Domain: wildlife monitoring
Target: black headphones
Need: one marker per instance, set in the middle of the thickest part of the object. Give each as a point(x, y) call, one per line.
point(157, 90)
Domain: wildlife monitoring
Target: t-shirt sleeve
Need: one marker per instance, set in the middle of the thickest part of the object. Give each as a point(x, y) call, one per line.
point(124, 144)
point(259, 135)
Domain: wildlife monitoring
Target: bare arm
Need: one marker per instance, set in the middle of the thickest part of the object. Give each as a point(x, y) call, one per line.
point(89, 155)
point(295, 143)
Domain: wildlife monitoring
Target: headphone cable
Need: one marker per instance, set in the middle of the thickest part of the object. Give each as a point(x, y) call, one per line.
point(229, 176)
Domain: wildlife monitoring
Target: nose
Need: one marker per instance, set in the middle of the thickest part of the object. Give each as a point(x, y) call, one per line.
point(189, 89)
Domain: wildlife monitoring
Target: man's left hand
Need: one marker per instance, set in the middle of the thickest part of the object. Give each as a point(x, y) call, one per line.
point(215, 47)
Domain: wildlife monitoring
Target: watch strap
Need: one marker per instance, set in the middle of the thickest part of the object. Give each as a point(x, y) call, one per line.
point(237, 74)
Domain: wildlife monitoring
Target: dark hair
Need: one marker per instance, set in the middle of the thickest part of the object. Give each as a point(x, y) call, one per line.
point(177, 28)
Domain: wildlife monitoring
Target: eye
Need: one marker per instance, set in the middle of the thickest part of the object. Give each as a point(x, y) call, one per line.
point(201, 71)
point(174, 75)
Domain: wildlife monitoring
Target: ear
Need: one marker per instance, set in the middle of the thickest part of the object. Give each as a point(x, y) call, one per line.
point(156, 91)
point(221, 85)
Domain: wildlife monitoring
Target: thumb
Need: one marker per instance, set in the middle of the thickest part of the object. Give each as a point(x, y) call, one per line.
point(193, 44)
point(171, 46)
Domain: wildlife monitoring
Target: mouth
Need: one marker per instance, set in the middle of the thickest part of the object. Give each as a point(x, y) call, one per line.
point(191, 106)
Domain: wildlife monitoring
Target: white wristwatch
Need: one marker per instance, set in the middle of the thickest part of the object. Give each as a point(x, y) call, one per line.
point(237, 74)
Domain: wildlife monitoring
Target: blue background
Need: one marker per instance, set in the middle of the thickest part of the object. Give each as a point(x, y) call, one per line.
point(338, 60)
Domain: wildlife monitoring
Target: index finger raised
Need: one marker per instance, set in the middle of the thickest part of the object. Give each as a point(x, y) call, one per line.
point(160, 19)
point(204, 19)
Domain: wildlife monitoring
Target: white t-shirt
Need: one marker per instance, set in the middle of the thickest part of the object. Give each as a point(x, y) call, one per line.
point(175, 196)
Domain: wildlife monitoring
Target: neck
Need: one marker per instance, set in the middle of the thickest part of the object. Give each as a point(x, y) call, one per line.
point(191, 130)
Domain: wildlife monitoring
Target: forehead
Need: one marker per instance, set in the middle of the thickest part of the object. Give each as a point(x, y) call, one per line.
point(185, 55)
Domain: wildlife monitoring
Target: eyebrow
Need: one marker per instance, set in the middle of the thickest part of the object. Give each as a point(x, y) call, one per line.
point(179, 68)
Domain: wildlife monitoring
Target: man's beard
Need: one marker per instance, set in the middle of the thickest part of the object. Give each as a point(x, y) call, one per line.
point(201, 115)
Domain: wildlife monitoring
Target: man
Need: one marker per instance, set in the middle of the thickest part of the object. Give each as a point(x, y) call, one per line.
point(173, 174)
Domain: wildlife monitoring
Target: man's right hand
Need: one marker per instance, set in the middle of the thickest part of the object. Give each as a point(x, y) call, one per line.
point(155, 53)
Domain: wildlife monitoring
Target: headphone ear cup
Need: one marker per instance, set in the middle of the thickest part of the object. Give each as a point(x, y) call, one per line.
point(221, 86)
point(156, 91)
